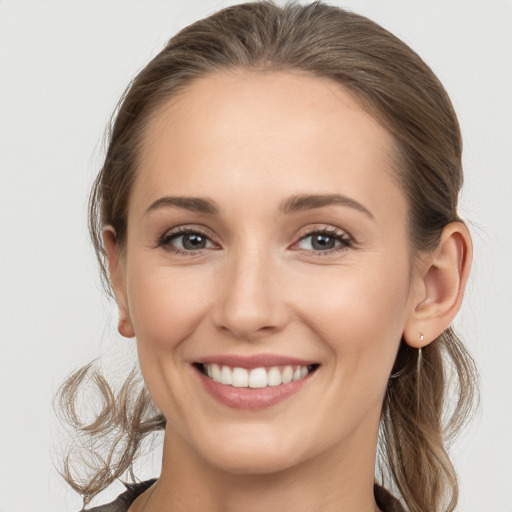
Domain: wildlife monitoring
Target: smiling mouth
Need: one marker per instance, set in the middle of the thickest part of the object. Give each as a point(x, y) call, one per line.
point(255, 378)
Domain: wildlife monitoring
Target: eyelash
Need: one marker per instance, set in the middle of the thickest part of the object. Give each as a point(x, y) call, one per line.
point(165, 240)
point(341, 236)
point(345, 240)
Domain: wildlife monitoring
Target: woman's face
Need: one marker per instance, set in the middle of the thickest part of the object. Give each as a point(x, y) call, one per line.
point(266, 231)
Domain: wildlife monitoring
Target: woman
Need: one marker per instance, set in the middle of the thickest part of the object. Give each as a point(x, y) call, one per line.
point(277, 219)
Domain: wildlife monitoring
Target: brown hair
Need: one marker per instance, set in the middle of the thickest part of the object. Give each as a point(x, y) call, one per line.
point(393, 84)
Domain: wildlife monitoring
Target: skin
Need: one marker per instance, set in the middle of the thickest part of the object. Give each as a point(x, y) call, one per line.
point(250, 141)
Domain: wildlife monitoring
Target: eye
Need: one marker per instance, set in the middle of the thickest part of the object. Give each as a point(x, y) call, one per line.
point(185, 241)
point(325, 240)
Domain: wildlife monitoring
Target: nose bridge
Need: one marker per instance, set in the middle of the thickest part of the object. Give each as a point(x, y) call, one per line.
point(250, 303)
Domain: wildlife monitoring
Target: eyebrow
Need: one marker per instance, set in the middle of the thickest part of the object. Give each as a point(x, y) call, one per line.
point(303, 202)
point(193, 204)
point(293, 204)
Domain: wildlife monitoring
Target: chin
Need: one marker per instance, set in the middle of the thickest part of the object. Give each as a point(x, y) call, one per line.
point(254, 455)
point(252, 464)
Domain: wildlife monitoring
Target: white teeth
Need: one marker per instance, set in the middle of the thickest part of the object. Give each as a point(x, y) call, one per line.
point(216, 373)
point(274, 377)
point(258, 378)
point(240, 377)
point(287, 375)
point(255, 378)
point(226, 377)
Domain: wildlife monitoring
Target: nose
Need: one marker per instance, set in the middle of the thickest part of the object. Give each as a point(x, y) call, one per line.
point(251, 303)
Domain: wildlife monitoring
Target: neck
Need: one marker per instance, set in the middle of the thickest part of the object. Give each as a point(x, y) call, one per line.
point(338, 480)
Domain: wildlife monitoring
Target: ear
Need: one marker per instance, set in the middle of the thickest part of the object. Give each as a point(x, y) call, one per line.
point(125, 326)
point(439, 286)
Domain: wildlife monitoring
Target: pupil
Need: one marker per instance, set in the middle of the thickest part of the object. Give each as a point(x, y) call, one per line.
point(194, 242)
point(323, 242)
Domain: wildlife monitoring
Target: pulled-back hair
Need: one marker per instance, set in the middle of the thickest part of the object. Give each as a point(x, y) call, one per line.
point(393, 84)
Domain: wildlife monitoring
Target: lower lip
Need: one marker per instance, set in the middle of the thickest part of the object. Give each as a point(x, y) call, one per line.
point(251, 398)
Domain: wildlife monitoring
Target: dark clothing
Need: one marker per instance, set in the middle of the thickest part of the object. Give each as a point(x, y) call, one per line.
point(385, 501)
point(123, 501)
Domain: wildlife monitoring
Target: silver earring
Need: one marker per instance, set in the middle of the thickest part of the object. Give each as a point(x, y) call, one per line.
point(418, 361)
point(420, 357)
point(407, 368)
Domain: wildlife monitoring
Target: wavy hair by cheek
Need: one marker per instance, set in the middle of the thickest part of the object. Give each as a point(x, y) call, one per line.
point(398, 89)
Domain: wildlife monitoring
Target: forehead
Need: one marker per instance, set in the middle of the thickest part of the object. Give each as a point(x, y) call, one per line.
point(265, 133)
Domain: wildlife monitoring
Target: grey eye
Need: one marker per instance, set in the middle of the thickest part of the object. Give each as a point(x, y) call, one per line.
point(193, 241)
point(186, 241)
point(319, 242)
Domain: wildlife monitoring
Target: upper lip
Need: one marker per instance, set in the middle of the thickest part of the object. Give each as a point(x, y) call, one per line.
point(255, 361)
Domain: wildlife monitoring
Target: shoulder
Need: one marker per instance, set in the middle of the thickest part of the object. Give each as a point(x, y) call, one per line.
point(124, 500)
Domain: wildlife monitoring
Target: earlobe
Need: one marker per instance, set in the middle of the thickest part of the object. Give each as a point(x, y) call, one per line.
point(443, 276)
point(125, 326)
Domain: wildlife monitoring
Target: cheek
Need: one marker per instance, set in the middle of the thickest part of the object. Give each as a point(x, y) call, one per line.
point(360, 314)
point(359, 320)
point(165, 305)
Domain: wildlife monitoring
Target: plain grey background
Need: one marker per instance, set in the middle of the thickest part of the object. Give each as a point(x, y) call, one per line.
point(63, 65)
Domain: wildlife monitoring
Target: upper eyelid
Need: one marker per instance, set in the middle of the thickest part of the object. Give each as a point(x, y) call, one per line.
point(346, 239)
point(177, 230)
point(181, 230)
point(328, 229)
